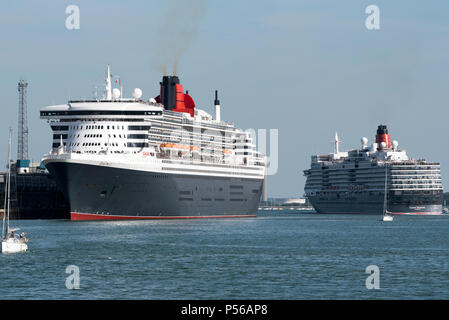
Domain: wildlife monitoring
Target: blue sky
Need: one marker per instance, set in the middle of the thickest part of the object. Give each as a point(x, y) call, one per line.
point(306, 68)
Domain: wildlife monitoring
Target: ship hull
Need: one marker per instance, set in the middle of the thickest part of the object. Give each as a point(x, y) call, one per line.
point(374, 205)
point(98, 192)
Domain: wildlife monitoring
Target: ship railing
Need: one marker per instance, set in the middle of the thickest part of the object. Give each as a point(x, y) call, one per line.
point(210, 164)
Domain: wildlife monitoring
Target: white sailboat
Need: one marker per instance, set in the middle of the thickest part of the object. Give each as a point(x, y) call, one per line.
point(386, 215)
point(12, 241)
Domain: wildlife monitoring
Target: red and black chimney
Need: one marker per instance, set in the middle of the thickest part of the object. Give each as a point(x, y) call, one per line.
point(383, 136)
point(173, 97)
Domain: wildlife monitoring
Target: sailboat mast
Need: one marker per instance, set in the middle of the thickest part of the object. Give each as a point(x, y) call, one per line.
point(9, 179)
point(4, 210)
point(385, 191)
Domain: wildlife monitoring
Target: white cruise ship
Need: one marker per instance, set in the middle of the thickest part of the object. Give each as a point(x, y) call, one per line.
point(354, 181)
point(117, 158)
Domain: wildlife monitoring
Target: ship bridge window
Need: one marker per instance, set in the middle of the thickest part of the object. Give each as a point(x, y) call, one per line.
point(137, 145)
point(100, 112)
point(59, 128)
point(58, 136)
point(137, 136)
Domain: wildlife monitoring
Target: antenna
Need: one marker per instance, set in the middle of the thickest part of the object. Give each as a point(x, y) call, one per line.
point(119, 81)
point(22, 136)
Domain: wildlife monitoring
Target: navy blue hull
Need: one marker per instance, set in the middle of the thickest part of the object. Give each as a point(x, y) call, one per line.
point(373, 204)
point(97, 192)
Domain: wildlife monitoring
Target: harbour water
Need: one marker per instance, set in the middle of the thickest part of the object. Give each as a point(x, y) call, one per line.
point(274, 256)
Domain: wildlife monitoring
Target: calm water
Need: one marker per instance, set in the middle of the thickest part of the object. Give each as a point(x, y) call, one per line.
point(273, 256)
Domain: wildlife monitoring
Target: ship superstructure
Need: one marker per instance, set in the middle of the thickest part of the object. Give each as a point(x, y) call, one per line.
point(118, 158)
point(354, 181)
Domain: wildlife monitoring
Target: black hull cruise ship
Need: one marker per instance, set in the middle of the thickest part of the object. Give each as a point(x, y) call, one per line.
point(357, 181)
point(117, 158)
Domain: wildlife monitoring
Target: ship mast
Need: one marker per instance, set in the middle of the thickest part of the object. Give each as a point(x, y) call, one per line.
point(108, 87)
point(336, 143)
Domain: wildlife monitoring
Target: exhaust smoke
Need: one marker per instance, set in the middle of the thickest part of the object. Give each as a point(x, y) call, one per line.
point(179, 25)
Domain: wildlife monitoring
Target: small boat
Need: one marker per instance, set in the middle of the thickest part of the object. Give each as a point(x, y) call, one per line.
point(386, 215)
point(12, 241)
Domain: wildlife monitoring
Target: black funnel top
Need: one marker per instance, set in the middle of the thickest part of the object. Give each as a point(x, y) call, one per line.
point(216, 102)
point(168, 91)
point(382, 129)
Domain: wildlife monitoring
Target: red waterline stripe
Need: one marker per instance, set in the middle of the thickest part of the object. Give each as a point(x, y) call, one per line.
point(421, 213)
point(90, 216)
point(394, 213)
